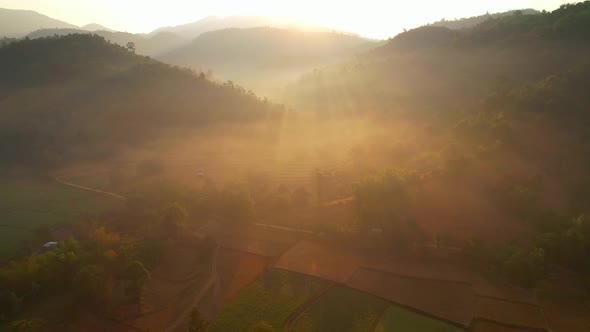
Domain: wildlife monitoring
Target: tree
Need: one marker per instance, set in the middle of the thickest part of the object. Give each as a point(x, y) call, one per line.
point(27, 325)
point(198, 323)
point(131, 47)
point(136, 275)
point(90, 283)
point(174, 220)
point(301, 198)
point(261, 326)
point(525, 267)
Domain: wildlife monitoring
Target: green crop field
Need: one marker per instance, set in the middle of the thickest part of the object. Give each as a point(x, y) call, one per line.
point(28, 205)
point(271, 298)
point(397, 318)
point(341, 309)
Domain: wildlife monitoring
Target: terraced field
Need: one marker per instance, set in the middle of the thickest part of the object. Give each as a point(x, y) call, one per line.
point(341, 309)
point(272, 298)
point(396, 318)
point(28, 205)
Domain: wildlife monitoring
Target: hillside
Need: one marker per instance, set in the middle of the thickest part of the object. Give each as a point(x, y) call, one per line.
point(79, 97)
point(265, 58)
point(19, 23)
point(95, 27)
point(194, 29)
point(486, 129)
point(470, 22)
point(151, 46)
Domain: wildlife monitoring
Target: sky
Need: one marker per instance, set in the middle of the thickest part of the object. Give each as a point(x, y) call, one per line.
point(369, 18)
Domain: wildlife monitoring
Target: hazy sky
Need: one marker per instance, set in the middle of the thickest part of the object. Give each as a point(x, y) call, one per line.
point(371, 18)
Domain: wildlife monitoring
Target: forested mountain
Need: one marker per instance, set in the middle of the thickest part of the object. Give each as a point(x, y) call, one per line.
point(493, 120)
point(212, 23)
point(470, 22)
point(265, 58)
point(79, 96)
point(432, 65)
point(19, 23)
point(144, 45)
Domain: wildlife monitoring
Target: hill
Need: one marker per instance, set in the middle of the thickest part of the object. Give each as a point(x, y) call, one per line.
point(79, 97)
point(212, 23)
point(96, 27)
point(150, 46)
point(486, 129)
point(265, 58)
point(19, 23)
point(470, 22)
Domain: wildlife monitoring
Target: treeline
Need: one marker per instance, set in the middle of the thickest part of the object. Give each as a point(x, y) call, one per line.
point(79, 97)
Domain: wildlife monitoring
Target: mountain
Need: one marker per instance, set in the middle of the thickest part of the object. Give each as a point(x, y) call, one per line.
point(78, 97)
point(19, 23)
point(263, 58)
point(470, 22)
point(96, 27)
point(212, 23)
point(436, 67)
point(144, 45)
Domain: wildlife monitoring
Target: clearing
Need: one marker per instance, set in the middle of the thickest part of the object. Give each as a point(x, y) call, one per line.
point(29, 205)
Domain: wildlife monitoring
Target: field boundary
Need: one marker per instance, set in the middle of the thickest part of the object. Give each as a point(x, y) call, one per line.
point(97, 191)
point(296, 314)
point(210, 282)
point(513, 326)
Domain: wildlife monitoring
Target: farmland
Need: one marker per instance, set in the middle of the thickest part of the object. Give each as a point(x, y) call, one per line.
point(235, 270)
point(341, 309)
point(271, 298)
point(29, 205)
point(396, 318)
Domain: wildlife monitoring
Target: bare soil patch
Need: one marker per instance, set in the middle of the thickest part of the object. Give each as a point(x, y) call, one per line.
point(449, 301)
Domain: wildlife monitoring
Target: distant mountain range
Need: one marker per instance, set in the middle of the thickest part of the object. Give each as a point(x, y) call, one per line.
point(96, 27)
point(212, 23)
point(263, 57)
point(19, 23)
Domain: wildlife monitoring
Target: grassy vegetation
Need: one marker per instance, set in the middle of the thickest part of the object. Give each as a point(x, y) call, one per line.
point(397, 318)
point(28, 205)
point(341, 309)
point(271, 298)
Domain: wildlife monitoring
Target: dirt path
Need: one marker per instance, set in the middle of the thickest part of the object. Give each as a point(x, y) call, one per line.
point(101, 192)
point(210, 282)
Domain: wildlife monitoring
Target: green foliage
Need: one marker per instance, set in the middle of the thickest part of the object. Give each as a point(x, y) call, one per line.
point(301, 198)
point(27, 325)
point(80, 97)
point(525, 266)
point(261, 326)
point(236, 203)
point(174, 221)
point(197, 322)
point(396, 318)
point(570, 245)
point(270, 299)
point(342, 309)
point(382, 197)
